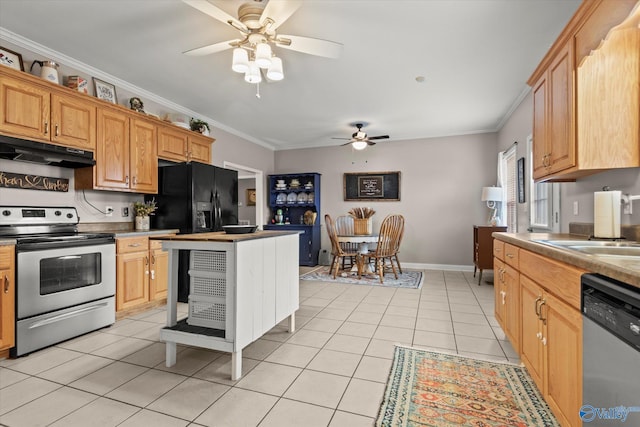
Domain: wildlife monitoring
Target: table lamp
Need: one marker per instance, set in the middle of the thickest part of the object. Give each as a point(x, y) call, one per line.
point(491, 195)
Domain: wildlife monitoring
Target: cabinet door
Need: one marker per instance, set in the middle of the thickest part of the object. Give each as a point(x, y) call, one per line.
point(7, 298)
point(159, 274)
point(172, 144)
point(132, 279)
point(498, 285)
point(563, 359)
point(532, 351)
point(511, 312)
point(73, 122)
point(112, 154)
point(539, 127)
point(200, 148)
point(24, 109)
point(560, 115)
point(143, 157)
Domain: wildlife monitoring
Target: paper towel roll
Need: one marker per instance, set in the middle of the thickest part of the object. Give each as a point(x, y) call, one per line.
point(606, 214)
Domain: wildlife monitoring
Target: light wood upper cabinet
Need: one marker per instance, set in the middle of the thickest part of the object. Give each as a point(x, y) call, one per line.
point(179, 145)
point(46, 114)
point(7, 297)
point(126, 158)
point(567, 143)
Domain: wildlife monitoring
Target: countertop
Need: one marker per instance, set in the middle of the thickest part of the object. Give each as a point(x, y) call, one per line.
point(625, 270)
point(221, 236)
point(7, 242)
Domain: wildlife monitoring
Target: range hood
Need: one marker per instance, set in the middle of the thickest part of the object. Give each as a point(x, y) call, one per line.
point(47, 154)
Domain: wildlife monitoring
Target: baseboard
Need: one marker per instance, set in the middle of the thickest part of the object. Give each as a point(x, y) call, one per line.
point(446, 267)
point(140, 308)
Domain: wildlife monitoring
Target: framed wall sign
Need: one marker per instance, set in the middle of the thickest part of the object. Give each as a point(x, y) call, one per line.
point(382, 186)
point(105, 91)
point(11, 59)
point(521, 198)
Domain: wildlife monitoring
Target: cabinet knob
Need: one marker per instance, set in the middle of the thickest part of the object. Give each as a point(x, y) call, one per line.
point(544, 341)
point(6, 284)
point(539, 335)
point(46, 128)
point(57, 130)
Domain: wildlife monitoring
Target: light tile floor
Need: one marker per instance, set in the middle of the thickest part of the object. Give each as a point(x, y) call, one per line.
point(331, 372)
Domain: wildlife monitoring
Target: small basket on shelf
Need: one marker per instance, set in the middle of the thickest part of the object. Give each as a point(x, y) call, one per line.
point(362, 221)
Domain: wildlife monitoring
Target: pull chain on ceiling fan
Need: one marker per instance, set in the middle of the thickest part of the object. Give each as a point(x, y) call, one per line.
point(257, 25)
point(359, 139)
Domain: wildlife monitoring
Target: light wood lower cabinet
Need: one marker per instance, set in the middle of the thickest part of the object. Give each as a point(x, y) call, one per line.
point(537, 304)
point(142, 272)
point(7, 298)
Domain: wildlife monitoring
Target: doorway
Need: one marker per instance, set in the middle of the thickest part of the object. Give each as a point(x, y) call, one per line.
point(250, 211)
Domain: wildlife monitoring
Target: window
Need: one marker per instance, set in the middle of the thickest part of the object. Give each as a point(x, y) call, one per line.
point(544, 201)
point(510, 190)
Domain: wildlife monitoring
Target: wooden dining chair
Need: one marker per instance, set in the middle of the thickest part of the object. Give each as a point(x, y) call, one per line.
point(391, 231)
point(344, 227)
point(338, 253)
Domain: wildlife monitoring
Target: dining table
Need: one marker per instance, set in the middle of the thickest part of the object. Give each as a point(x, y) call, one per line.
point(363, 241)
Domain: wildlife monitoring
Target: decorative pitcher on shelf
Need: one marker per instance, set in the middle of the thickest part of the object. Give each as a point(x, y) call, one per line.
point(48, 70)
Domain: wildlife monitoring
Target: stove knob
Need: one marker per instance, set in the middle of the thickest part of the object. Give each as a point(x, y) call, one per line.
point(57, 213)
point(69, 215)
point(6, 212)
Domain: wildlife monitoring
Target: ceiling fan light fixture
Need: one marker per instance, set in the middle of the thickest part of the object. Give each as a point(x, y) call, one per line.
point(253, 73)
point(359, 145)
point(240, 63)
point(275, 71)
point(263, 55)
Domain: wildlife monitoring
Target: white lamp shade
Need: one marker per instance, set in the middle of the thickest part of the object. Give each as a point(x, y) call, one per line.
point(253, 73)
point(240, 62)
point(275, 72)
point(263, 55)
point(359, 145)
point(491, 194)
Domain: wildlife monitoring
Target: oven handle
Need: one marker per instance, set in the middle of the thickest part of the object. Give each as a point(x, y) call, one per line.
point(24, 247)
point(74, 313)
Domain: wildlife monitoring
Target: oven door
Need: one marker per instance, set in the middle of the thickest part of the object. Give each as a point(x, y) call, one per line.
point(52, 279)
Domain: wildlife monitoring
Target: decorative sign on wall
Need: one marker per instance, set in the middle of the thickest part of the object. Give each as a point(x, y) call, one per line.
point(382, 186)
point(33, 182)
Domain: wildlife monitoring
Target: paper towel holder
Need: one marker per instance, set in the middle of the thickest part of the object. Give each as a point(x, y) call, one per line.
point(627, 206)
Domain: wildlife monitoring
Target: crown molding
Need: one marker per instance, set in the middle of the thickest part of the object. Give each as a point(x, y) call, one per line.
point(37, 48)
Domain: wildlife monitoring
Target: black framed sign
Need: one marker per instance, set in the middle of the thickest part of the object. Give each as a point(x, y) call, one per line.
point(383, 186)
point(521, 198)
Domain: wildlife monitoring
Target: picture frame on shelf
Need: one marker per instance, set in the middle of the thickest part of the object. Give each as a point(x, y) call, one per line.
point(11, 59)
point(251, 196)
point(105, 91)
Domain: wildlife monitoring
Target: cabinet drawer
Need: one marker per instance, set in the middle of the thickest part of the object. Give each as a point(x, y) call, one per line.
point(511, 255)
point(560, 279)
point(6, 257)
point(498, 249)
point(132, 244)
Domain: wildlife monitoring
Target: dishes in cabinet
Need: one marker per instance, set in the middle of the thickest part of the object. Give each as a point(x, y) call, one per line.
point(281, 199)
point(310, 198)
point(292, 198)
point(308, 186)
point(280, 187)
point(295, 183)
point(302, 198)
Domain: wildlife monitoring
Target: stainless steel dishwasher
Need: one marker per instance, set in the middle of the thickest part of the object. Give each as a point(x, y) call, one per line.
point(611, 352)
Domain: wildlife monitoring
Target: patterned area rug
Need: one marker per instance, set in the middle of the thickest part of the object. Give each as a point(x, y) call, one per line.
point(427, 388)
point(406, 279)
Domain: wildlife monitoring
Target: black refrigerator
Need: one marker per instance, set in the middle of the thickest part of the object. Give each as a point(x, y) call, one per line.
point(194, 198)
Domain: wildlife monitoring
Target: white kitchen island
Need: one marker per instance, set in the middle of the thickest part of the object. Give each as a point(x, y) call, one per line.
point(241, 286)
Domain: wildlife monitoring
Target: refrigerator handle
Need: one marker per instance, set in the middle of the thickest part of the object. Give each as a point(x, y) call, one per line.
point(212, 213)
point(218, 211)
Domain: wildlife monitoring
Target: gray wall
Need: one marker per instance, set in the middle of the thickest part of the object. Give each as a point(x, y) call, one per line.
point(441, 180)
point(246, 212)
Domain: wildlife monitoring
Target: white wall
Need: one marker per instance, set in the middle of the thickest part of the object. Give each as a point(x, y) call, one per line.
point(441, 180)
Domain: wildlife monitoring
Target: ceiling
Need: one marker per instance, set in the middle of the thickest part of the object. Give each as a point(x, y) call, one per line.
point(475, 56)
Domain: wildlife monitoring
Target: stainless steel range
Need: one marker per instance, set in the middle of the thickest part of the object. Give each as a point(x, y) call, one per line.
point(65, 280)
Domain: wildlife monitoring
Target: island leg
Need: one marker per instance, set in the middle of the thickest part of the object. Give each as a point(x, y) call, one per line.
point(236, 365)
point(292, 323)
point(170, 354)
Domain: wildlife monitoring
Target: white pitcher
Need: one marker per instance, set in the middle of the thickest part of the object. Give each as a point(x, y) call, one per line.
point(48, 70)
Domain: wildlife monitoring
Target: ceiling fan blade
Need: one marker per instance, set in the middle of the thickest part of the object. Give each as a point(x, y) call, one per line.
point(310, 45)
point(279, 11)
point(211, 48)
point(347, 143)
point(215, 12)
point(379, 137)
point(371, 143)
point(346, 139)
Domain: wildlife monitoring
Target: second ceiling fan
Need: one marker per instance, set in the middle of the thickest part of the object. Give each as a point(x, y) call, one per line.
point(359, 139)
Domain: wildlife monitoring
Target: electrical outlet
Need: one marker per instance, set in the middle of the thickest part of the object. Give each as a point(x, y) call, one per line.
point(575, 207)
point(125, 211)
point(108, 210)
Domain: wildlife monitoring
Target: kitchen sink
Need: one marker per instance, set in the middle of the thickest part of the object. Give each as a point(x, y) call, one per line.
point(597, 247)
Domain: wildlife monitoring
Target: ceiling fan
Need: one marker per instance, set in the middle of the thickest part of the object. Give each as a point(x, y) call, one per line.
point(360, 140)
point(257, 23)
